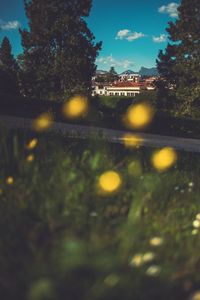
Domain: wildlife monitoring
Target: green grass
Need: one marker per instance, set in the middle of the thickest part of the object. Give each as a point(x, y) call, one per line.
point(61, 239)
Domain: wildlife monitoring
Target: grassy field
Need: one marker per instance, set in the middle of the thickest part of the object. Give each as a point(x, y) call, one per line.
point(63, 238)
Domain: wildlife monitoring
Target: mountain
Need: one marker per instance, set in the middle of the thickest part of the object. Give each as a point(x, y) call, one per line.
point(148, 71)
point(101, 72)
point(128, 72)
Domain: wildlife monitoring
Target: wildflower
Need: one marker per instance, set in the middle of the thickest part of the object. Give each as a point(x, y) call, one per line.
point(164, 158)
point(10, 180)
point(139, 115)
point(195, 231)
point(136, 260)
point(196, 223)
point(111, 280)
point(198, 217)
point(110, 181)
point(196, 296)
point(156, 241)
point(32, 144)
point(76, 107)
point(43, 122)
point(147, 257)
point(30, 158)
point(153, 270)
point(191, 184)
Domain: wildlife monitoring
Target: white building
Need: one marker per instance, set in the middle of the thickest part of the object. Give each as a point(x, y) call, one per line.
point(129, 77)
point(119, 89)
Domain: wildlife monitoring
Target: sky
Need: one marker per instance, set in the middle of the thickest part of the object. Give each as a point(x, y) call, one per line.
point(132, 31)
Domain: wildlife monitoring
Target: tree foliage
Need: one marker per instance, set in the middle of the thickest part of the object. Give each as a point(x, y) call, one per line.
point(112, 75)
point(179, 64)
point(8, 69)
point(59, 51)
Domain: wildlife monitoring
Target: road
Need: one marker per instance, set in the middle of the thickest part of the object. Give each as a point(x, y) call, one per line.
point(113, 136)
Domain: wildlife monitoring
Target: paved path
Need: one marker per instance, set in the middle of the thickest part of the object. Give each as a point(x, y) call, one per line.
point(114, 136)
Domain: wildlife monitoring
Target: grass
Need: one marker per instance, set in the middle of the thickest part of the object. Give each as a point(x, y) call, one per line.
point(61, 238)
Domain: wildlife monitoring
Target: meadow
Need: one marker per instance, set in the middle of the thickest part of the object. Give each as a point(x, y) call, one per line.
point(64, 237)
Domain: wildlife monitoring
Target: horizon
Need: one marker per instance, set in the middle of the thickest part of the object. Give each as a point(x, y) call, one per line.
point(132, 33)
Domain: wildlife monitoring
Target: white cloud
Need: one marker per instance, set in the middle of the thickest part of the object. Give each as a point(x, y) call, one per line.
point(10, 25)
point(170, 9)
point(128, 35)
point(160, 39)
point(110, 61)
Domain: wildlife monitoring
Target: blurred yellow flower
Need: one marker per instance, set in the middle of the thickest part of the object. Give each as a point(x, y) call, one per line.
point(156, 241)
point(132, 140)
point(147, 257)
point(163, 159)
point(196, 223)
point(43, 122)
point(32, 144)
point(111, 280)
point(196, 296)
point(153, 270)
point(136, 260)
point(139, 115)
point(30, 158)
point(195, 231)
point(9, 180)
point(198, 217)
point(110, 181)
point(76, 107)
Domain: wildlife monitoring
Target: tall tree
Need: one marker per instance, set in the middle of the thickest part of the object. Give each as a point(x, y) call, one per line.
point(59, 49)
point(8, 69)
point(179, 64)
point(112, 75)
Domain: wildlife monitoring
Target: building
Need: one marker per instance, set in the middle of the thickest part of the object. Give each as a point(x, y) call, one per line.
point(128, 76)
point(119, 89)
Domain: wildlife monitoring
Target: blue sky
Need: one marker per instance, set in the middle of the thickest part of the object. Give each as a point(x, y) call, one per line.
point(132, 31)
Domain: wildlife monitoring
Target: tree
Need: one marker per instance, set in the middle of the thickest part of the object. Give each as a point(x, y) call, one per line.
point(8, 69)
point(179, 64)
point(112, 75)
point(59, 50)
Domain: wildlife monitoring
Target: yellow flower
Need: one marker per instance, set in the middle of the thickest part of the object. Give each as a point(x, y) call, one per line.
point(111, 280)
point(196, 296)
point(9, 180)
point(198, 217)
point(156, 241)
point(76, 107)
point(32, 144)
point(110, 181)
point(196, 223)
point(147, 257)
point(136, 260)
point(132, 140)
point(139, 115)
point(43, 122)
point(30, 158)
point(163, 159)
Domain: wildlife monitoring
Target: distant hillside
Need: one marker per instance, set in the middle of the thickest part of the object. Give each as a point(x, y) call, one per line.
point(148, 71)
point(143, 72)
point(129, 72)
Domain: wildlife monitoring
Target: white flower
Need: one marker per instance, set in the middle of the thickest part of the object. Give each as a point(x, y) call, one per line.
point(196, 223)
point(147, 257)
point(156, 241)
point(153, 270)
